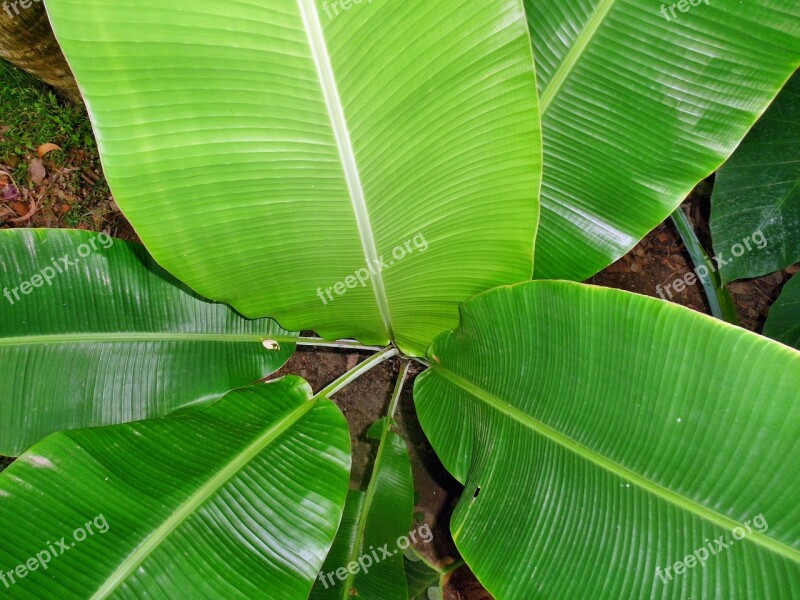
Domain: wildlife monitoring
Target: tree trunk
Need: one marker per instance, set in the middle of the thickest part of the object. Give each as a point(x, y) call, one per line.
point(27, 41)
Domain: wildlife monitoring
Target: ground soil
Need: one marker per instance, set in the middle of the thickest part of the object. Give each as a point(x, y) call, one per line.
point(74, 179)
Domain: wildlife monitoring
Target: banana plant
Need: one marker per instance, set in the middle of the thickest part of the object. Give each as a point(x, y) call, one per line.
point(373, 171)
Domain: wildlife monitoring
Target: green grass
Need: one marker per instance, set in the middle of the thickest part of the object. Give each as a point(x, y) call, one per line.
point(30, 115)
point(34, 115)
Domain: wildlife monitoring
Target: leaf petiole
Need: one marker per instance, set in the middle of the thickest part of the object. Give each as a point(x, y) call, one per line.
point(356, 372)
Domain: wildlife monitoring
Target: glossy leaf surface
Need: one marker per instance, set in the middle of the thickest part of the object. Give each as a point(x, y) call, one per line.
point(757, 194)
point(238, 499)
point(603, 436)
point(266, 151)
point(783, 323)
point(637, 108)
point(366, 561)
point(109, 337)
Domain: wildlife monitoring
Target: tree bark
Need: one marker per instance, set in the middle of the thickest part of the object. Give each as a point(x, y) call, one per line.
point(27, 41)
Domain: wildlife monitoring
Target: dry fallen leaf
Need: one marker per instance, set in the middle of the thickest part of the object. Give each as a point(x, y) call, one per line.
point(19, 207)
point(10, 193)
point(36, 171)
point(739, 288)
point(45, 148)
point(27, 216)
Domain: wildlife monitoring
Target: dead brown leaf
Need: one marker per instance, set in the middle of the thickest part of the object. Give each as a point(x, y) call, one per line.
point(27, 216)
point(19, 207)
point(45, 148)
point(36, 171)
point(739, 287)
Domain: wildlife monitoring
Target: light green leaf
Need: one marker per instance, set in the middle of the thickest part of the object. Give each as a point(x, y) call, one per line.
point(265, 151)
point(373, 523)
point(603, 436)
point(783, 323)
point(757, 194)
point(637, 109)
point(239, 499)
point(110, 337)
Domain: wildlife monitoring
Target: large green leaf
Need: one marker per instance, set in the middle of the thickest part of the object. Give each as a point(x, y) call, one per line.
point(637, 109)
point(112, 338)
point(757, 193)
point(239, 499)
point(373, 522)
point(783, 323)
point(266, 150)
point(603, 436)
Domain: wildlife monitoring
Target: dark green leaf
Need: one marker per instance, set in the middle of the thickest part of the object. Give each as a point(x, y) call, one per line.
point(238, 499)
point(373, 524)
point(113, 338)
point(757, 194)
point(603, 436)
point(637, 109)
point(783, 323)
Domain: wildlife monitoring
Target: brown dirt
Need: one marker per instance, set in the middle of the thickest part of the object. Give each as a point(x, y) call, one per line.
point(661, 258)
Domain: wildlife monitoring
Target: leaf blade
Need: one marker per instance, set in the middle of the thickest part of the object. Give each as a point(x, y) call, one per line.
point(223, 503)
point(445, 137)
point(112, 338)
point(622, 474)
point(623, 149)
point(783, 322)
point(757, 191)
point(374, 519)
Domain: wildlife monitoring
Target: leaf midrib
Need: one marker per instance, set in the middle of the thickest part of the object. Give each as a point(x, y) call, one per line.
point(124, 337)
point(573, 55)
point(366, 507)
point(196, 500)
point(322, 60)
point(607, 464)
point(369, 497)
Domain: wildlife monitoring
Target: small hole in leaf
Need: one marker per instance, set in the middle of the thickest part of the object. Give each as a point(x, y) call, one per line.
point(477, 492)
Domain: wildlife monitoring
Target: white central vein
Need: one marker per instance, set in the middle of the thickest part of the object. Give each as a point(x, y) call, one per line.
point(143, 336)
point(577, 50)
point(615, 468)
point(193, 503)
point(322, 59)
